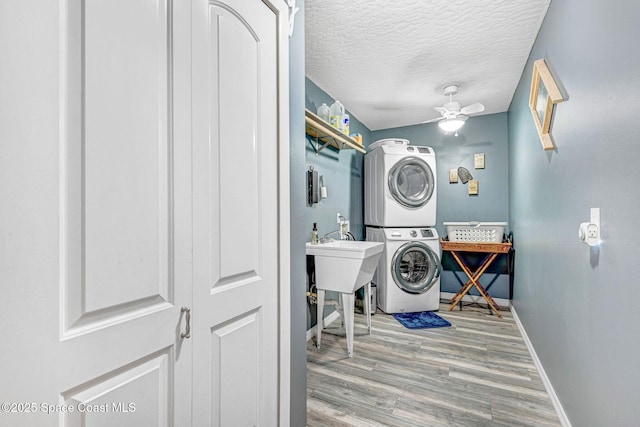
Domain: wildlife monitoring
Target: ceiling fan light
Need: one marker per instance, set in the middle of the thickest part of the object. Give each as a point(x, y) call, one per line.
point(452, 125)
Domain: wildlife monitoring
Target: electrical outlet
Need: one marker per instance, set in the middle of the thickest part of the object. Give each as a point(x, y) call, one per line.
point(344, 227)
point(589, 232)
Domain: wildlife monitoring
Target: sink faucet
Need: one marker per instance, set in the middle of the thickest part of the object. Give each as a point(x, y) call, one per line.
point(343, 231)
point(326, 239)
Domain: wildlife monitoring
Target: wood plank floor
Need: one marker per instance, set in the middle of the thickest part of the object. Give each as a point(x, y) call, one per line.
point(478, 372)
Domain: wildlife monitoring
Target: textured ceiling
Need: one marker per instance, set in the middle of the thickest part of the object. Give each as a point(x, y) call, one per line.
point(388, 61)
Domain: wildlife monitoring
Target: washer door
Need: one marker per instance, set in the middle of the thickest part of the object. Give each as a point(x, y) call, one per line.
point(411, 182)
point(415, 267)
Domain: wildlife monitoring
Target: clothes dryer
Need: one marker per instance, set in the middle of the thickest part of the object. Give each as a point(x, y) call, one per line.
point(408, 273)
point(400, 187)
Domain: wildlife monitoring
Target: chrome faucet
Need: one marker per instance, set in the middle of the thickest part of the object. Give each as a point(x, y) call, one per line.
point(343, 231)
point(326, 238)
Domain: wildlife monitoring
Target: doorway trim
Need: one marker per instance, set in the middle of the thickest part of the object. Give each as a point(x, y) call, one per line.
point(281, 9)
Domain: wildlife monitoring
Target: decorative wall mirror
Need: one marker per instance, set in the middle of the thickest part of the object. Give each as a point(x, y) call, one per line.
point(544, 95)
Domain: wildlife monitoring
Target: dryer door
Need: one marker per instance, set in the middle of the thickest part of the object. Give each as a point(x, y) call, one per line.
point(415, 267)
point(411, 182)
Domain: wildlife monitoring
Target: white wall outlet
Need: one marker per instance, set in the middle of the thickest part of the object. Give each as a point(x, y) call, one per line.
point(338, 217)
point(589, 232)
point(344, 227)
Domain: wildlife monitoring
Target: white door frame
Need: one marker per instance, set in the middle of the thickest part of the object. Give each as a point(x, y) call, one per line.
point(284, 273)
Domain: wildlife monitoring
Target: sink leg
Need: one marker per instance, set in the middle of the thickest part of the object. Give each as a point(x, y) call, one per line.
point(341, 309)
point(367, 304)
point(319, 317)
point(347, 309)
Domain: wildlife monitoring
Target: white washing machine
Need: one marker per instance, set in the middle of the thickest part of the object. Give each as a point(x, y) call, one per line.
point(408, 273)
point(400, 185)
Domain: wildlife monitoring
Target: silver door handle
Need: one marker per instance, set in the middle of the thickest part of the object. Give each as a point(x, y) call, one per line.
point(187, 332)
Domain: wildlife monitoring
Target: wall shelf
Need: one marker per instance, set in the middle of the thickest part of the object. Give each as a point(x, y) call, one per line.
point(327, 135)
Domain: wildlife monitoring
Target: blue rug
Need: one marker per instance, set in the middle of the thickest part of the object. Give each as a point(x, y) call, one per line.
point(421, 320)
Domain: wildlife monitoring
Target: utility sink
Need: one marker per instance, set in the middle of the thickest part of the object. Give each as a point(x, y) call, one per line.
point(345, 265)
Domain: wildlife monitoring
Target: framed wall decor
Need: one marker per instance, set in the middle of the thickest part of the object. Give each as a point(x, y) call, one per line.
point(478, 161)
point(453, 176)
point(473, 187)
point(544, 95)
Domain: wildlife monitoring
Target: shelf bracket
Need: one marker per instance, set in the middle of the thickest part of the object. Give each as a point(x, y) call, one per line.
point(317, 142)
point(318, 150)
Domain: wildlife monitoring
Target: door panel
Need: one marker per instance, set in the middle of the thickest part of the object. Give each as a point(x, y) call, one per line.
point(116, 174)
point(235, 370)
point(234, 134)
point(125, 211)
point(94, 307)
point(235, 214)
point(138, 395)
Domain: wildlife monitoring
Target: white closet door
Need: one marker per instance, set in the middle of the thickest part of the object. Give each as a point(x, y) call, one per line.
point(97, 213)
point(138, 175)
point(236, 139)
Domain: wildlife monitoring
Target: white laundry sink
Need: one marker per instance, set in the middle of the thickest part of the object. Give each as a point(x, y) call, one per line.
point(345, 265)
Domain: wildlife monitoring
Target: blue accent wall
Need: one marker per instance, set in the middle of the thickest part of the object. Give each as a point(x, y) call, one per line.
point(343, 176)
point(486, 134)
point(342, 171)
point(298, 410)
point(577, 303)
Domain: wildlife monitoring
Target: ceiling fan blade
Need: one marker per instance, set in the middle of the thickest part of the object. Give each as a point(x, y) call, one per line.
point(442, 110)
point(432, 120)
point(473, 108)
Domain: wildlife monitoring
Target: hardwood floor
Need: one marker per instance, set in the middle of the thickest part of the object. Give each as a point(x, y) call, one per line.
point(478, 372)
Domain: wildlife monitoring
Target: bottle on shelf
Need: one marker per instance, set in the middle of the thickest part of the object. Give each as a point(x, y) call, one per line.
point(324, 112)
point(314, 234)
point(335, 114)
point(345, 124)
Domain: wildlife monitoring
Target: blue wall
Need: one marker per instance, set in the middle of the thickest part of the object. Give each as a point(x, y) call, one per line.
point(577, 303)
point(481, 134)
point(298, 224)
point(343, 177)
point(343, 174)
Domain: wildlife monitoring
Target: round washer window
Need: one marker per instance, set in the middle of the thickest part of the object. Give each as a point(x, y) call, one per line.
point(415, 267)
point(411, 182)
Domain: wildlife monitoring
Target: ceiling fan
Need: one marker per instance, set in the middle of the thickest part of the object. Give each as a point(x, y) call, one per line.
point(453, 117)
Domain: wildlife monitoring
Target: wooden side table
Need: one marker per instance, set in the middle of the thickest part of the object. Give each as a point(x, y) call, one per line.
point(492, 250)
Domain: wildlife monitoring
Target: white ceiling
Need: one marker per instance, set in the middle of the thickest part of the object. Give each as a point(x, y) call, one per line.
point(388, 61)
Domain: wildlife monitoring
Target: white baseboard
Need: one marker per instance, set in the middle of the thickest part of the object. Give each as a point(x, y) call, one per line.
point(564, 420)
point(327, 321)
point(475, 298)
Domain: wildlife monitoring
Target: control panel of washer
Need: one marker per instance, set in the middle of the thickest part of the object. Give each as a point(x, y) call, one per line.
point(426, 232)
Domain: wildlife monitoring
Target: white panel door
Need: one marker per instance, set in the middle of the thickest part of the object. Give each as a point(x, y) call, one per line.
point(141, 145)
point(235, 131)
point(100, 258)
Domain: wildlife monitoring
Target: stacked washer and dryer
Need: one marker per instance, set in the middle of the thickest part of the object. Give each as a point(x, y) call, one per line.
point(400, 211)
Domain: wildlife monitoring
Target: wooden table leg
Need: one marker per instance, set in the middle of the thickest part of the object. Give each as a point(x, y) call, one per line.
point(464, 288)
point(474, 278)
